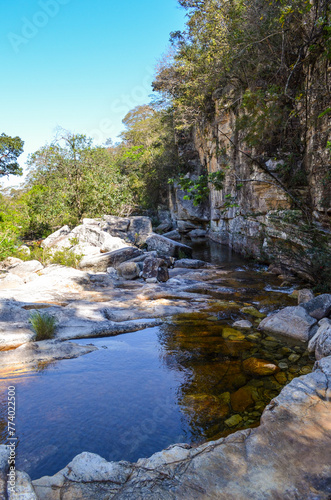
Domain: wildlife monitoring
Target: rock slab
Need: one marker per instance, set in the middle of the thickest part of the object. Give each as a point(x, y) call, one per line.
point(292, 322)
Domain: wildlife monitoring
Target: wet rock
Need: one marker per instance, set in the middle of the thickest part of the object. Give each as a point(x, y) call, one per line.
point(165, 246)
point(281, 378)
point(292, 322)
point(283, 366)
point(305, 295)
point(233, 421)
point(294, 358)
point(190, 263)
point(232, 334)
point(252, 311)
point(30, 266)
point(260, 367)
point(205, 408)
point(242, 399)
point(110, 259)
point(155, 268)
point(319, 307)
point(247, 325)
point(128, 270)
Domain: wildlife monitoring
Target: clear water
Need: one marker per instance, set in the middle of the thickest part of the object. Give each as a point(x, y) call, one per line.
point(142, 391)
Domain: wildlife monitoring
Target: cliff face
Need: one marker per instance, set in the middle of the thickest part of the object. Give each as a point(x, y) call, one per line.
point(255, 212)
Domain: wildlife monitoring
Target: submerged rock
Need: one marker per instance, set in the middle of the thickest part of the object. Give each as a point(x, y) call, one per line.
point(243, 324)
point(236, 467)
point(242, 399)
point(260, 367)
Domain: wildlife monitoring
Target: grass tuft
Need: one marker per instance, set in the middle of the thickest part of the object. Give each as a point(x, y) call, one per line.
point(43, 325)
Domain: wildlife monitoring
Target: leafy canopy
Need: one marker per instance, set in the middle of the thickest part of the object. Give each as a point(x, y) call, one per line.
point(10, 149)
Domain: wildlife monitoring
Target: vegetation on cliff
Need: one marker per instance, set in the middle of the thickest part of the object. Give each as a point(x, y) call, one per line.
point(265, 62)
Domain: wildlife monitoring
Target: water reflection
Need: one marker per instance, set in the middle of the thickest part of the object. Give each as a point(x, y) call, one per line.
point(230, 375)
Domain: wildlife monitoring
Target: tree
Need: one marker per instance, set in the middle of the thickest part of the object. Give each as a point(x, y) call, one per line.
point(148, 155)
point(10, 149)
point(71, 179)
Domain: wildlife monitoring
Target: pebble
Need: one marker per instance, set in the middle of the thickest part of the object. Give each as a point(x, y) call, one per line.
point(294, 358)
point(234, 420)
point(283, 366)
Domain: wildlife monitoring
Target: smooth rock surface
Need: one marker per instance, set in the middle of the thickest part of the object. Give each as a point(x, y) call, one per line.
point(43, 351)
point(24, 489)
point(110, 259)
point(324, 324)
point(30, 266)
point(292, 322)
point(166, 246)
point(323, 343)
point(173, 235)
point(319, 307)
point(286, 457)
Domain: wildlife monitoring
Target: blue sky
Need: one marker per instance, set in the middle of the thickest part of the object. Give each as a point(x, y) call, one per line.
point(78, 64)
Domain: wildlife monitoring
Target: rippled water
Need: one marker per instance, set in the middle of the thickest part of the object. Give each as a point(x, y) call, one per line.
point(185, 381)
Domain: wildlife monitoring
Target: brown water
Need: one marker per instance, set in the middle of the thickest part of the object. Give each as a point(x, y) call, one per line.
point(194, 378)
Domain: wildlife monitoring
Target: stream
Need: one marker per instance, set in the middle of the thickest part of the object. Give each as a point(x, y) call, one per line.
point(191, 379)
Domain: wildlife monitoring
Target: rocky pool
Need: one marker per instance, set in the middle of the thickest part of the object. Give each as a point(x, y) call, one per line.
point(193, 378)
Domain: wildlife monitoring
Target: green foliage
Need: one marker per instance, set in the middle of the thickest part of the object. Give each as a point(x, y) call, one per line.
point(148, 154)
point(65, 257)
point(234, 47)
point(198, 189)
point(70, 179)
point(13, 221)
point(10, 149)
point(43, 324)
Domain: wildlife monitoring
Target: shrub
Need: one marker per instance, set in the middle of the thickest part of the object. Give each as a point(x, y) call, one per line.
point(43, 325)
point(64, 257)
